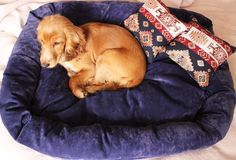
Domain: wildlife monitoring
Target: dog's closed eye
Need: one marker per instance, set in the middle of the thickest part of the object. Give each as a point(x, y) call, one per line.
point(57, 43)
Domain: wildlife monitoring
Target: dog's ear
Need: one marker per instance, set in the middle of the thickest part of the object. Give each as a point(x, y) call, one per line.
point(75, 42)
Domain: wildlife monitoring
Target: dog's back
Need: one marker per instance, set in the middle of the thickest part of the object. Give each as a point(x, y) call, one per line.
point(117, 53)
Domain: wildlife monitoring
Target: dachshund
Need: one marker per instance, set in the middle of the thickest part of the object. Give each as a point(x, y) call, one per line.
point(97, 56)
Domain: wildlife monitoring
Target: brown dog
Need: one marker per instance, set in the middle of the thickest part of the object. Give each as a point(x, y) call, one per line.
point(97, 56)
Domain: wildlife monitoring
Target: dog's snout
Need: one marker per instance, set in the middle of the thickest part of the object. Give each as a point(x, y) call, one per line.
point(45, 65)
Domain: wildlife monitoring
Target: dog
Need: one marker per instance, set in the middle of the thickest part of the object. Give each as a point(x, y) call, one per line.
point(97, 56)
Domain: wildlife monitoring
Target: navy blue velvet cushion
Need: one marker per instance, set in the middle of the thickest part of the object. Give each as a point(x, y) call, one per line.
point(167, 113)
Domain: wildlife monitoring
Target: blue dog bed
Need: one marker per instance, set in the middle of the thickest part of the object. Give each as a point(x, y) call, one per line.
point(167, 113)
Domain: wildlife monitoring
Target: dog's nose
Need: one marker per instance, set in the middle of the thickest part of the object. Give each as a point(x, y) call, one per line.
point(45, 65)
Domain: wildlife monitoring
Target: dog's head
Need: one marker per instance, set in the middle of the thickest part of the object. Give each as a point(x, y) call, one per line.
point(60, 40)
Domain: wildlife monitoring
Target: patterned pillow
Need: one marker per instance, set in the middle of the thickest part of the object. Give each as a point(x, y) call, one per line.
point(154, 27)
point(199, 52)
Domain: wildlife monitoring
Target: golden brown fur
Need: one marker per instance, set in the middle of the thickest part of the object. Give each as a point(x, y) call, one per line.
point(97, 56)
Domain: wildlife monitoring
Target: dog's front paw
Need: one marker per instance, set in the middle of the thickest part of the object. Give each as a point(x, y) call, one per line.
point(91, 89)
point(80, 93)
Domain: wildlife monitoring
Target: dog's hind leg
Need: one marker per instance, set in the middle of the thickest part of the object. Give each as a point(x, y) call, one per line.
point(93, 88)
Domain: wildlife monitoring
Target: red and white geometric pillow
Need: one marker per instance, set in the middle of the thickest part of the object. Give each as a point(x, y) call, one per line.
point(211, 48)
point(154, 27)
point(199, 52)
point(192, 47)
point(160, 17)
